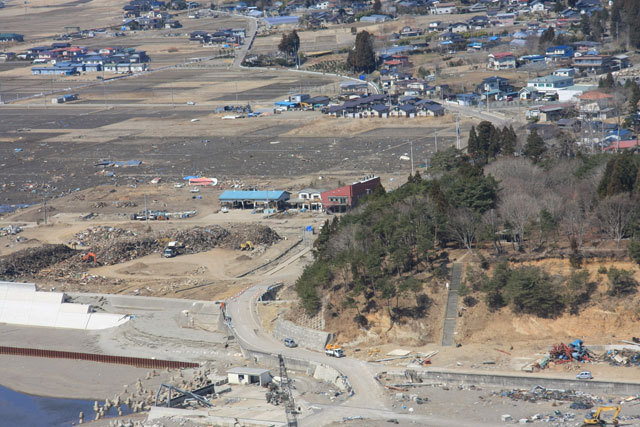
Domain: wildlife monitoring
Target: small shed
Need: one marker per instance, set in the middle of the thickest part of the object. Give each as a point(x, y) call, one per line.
point(243, 375)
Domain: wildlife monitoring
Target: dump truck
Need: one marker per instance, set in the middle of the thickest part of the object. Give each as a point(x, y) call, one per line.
point(173, 249)
point(595, 419)
point(333, 350)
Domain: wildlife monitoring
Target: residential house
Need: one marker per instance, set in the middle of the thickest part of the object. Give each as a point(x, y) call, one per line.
point(443, 9)
point(538, 6)
point(309, 199)
point(565, 72)
point(347, 197)
point(375, 18)
point(459, 27)
point(595, 104)
point(550, 84)
point(529, 94)
point(598, 64)
point(435, 25)
point(504, 19)
point(467, 99)
point(561, 51)
point(502, 61)
point(379, 110)
point(493, 85)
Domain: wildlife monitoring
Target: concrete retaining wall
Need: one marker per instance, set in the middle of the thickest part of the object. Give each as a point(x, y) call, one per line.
point(526, 382)
point(304, 337)
point(209, 416)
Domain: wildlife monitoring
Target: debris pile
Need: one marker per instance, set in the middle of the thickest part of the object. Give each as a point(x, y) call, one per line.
point(563, 353)
point(539, 393)
point(30, 261)
point(623, 357)
point(113, 245)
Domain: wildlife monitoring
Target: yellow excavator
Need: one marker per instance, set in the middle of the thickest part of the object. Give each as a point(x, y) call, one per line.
point(247, 246)
point(595, 419)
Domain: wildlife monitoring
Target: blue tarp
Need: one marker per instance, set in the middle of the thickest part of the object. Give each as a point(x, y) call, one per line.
point(187, 178)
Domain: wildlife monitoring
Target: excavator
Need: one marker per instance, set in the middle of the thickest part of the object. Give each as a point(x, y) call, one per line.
point(90, 257)
point(595, 419)
point(247, 246)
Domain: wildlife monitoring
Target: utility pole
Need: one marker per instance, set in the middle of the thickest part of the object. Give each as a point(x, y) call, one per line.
point(44, 208)
point(412, 168)
point(435, 137)
point(458, 131)
point(146, 212)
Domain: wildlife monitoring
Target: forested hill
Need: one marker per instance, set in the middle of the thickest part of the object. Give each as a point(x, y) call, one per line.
point(380, 255)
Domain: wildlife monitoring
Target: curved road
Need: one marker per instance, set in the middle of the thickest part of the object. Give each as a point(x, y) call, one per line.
point(369, 400)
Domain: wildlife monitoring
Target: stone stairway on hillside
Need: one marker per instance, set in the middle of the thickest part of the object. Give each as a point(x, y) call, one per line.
point(451, 312)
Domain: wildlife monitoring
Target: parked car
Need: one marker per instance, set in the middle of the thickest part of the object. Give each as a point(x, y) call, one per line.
point(289, 342)
point(224, 209)
point(585, 375)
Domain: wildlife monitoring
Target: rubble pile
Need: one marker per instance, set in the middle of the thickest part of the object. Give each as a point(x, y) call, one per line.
point(28, 262)
point(256, 234)
point(622, 357)
point(113, 245)
point(539, 393)
point(564, 353)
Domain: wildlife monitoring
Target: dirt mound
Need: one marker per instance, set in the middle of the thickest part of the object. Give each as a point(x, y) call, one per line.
point(258, 235)
point(28, 262)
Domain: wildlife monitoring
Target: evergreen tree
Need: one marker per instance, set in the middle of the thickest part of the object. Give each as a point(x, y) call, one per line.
point(362, 58)
point(547, 36)
point(289, 44)
point(634, 98)
point(508, 141)
point(534, 148)
point(472, 143)
point(619, 176)
point(377, 6)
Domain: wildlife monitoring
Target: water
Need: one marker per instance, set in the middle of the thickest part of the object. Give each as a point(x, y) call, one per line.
point(20, 410)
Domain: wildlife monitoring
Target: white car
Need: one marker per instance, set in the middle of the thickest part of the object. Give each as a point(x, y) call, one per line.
point(179, 185)
point(224, 209)
point(191, 103)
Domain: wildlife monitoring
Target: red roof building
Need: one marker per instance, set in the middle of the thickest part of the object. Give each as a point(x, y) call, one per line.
point(347, 197)
point(623, 145)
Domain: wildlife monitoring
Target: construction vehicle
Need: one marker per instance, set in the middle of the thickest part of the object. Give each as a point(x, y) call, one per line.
point(246, 246)
point(173, 249)
point(595, 419)
point(88, 257)
point(333, 350)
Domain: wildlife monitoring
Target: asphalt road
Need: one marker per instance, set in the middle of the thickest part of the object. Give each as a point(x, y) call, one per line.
point(368, 401)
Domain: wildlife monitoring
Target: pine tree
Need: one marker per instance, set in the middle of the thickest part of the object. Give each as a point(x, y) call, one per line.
point(509, 140)
point(534, 148)
point(377, 6)
point(472, 143)
point(362, 58)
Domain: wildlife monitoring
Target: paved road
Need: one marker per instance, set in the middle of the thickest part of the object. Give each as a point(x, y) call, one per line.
point(451, 313)
point(368, 401)
point(497, 119)
point(252, 30)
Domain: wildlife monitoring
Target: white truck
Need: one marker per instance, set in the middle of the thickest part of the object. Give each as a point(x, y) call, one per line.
point(333, 351)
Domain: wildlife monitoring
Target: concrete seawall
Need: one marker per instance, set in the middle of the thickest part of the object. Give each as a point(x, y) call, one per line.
point(524, 382)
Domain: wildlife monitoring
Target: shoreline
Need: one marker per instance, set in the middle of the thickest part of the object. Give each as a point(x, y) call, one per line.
point(72, 379)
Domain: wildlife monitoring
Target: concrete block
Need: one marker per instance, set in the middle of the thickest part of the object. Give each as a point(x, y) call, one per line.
point(304, 337)
point(506, 418)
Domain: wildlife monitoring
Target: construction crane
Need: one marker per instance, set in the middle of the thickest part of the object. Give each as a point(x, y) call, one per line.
point(595, 419)
point(289, 404)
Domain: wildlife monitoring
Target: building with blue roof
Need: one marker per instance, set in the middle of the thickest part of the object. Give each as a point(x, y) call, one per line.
point(252, 199)
point(282, 20)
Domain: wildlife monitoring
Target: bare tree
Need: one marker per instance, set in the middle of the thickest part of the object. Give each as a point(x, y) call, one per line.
point(491, 223)
point(518, 209)
point(463, 225)
point(614, 215)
